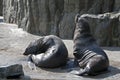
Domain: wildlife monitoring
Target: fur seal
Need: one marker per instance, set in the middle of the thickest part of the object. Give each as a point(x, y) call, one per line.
point(47, 52)
point(90, 57)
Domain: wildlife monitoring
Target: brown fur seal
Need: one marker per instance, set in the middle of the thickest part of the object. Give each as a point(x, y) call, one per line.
point(90, 57)
point(48, 52)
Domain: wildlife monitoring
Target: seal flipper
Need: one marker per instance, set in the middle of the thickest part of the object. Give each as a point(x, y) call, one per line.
point(87, 71)
point(31, 65)
point(81, 72)
point(84, 72)
point(30, 58)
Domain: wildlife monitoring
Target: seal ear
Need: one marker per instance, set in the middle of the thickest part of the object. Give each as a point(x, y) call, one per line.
point(76, 17)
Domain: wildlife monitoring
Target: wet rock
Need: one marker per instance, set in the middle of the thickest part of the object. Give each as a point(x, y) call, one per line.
point(10, 71)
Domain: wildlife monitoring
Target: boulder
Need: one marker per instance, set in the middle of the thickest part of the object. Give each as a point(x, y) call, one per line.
point(8, 71)
point(105, 28)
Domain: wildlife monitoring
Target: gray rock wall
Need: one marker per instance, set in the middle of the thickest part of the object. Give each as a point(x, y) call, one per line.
point(105, 28)
point(43, 17)
point(35, 16)
point(1, 7)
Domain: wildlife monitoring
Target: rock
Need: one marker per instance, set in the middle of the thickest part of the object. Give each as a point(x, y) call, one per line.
point(51, 16)
point(117, 5)
point(72, 7)
point(14, 41)
point(15, 70)
point(105, 28)
point(1, 7)
point(1, 19)
point(43, 17)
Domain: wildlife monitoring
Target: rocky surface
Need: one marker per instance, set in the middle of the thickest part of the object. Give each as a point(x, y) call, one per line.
point(10, 71)
point(1, 7)
point(43, 17)
point(1, 19)
point(13, 42)
point(105, 28)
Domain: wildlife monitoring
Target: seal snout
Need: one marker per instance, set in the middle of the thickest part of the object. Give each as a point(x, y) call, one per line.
point(80, 18)
point(25, 54)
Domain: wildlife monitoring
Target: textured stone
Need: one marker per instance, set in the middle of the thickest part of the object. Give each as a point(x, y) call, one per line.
point(117, 5)
point(105, 28)
point(43, 17)
point(35, 16)
point(14, 41)
point(11, 71)
point(1, 7)
point(1, 19)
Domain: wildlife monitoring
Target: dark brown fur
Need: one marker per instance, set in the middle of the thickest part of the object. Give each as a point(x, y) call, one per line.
point(47, 52)
point(91, 58)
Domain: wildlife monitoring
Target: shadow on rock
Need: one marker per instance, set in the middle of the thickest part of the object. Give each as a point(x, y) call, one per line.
point(26, 77)
point(71, 65)
point(112, 48)
point(19, 78)
point(111, 72)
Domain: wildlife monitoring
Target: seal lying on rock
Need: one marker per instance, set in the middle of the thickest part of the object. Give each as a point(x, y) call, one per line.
point(90, 57)
point(48, 52)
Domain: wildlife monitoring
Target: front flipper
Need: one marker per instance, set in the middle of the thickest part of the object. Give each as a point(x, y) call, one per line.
point(75, 72)
point(81, 72)
point(31, 65)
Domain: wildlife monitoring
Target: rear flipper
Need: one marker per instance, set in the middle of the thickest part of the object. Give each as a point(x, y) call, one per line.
point(81, 72)
point(95, 66)
point(86, 71)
